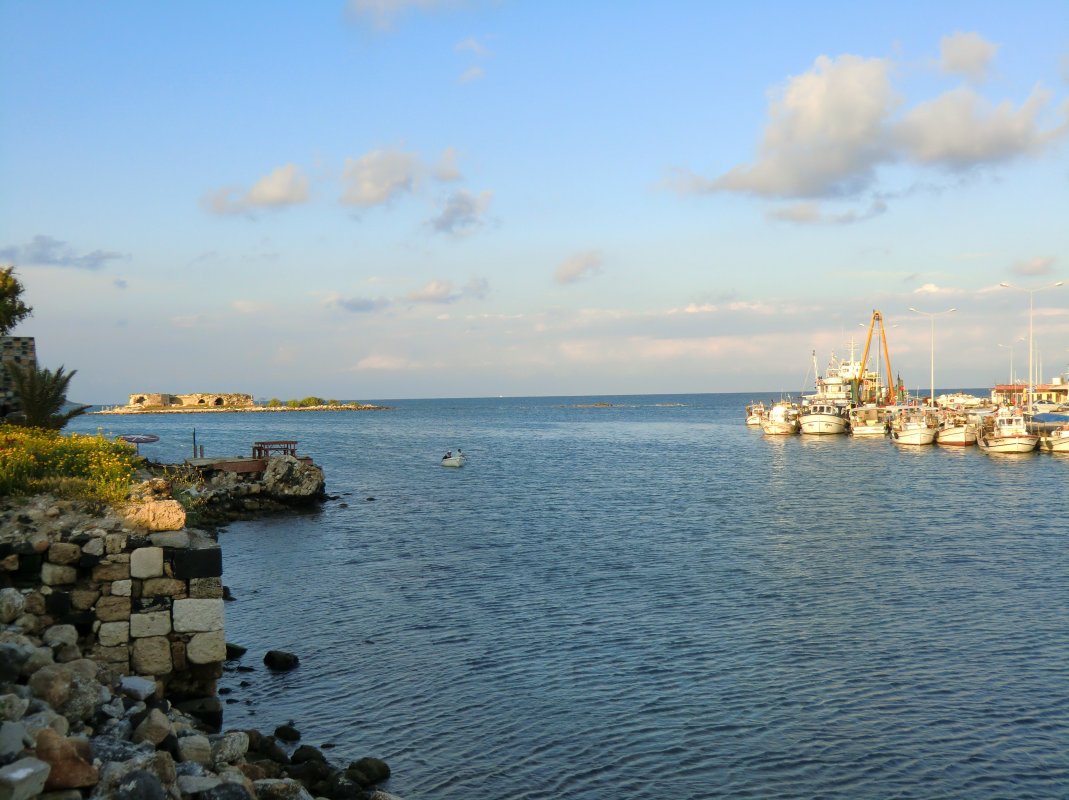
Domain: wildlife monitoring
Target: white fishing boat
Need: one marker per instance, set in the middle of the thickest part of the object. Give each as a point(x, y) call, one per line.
point(955, 430)
point(822, 419)
point(959, 400)
point(867, 421)
point(1055, 441)
point(755, 412)
point(780, 420)
point(913, 426)
point(451, 459)
point(1006, 432)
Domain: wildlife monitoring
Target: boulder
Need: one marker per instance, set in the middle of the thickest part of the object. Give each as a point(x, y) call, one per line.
point(24, 779)
point(156, 515)
point(280, 660)
point(12, 604)
point(70, 760)
point(289, 480)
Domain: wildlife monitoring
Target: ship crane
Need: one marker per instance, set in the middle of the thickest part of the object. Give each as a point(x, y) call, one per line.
point(877, 319)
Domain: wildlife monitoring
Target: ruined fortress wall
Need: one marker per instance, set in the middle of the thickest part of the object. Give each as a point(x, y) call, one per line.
point(18, 350)
point(199, 400)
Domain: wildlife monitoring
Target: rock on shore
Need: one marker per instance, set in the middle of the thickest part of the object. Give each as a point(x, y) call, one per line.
point(74, 726)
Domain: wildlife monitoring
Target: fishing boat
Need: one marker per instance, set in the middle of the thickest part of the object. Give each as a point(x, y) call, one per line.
point(451, 459)
point(1006, 432)
point(1055, 441)
point(955, 430)
point(913, 426)
point(822, 419)
point(755, 412)
point(867, 421)
point(780, 420)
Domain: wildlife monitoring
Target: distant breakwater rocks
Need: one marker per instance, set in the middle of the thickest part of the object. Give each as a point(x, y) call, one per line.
point(111, 641)
point(237, 409)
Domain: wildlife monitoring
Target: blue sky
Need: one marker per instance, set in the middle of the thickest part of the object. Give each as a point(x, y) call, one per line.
point(411, 198)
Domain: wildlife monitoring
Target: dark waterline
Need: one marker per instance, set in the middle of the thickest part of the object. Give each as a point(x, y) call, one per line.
point(652, 600)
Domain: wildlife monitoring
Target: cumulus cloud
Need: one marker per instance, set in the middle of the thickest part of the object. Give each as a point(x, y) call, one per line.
point(825, 134)
point(829, 129)
point(967, 54)
point(47, 251)
point(462, 213)
point(933, 289)
point(1043, 265)
point(250, 307)
point(961, 129)
point(447, 169)
point(378, 177)
point(811, 213)
point(579, 266)
point(443, 292)
point(471, 74)
point(283, 186)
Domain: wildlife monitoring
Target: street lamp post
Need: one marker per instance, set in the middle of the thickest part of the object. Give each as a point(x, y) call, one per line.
point(931, 315)
point(1030, 390)
point(1010, 347)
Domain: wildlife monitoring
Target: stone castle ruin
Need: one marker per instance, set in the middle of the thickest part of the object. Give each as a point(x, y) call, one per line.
point(159, 400)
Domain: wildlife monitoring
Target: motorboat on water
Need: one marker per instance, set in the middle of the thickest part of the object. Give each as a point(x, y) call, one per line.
point(1006, 432)
point(867, 421)
point(780, 420)
point(959, 400)
point(914, 426)
point(1055, 441)
point(451, 459)
point(955, 430)
point(822, 419)
point(755, 412)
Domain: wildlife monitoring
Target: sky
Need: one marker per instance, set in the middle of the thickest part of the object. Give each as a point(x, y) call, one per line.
point(381, 199)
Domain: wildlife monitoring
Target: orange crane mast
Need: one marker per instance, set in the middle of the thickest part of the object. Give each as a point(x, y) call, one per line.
point(877, 318)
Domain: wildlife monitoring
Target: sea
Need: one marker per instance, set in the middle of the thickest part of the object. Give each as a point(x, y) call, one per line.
point(641, 597)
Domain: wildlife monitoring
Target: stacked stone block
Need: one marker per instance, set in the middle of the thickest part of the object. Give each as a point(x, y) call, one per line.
point(21, 352)
point(147, 604)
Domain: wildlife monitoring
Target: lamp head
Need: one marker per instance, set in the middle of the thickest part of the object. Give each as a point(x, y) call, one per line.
point(1005, 285)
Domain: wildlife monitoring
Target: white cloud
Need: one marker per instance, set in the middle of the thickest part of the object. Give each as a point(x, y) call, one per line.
point(826, 132)
point(447, 169)
point(932, 289)
point(250, 307)
point(579, 266)
point(283, 186)
point(961, 129)
point(434, 292)
point(471, 74)
point(355, 305)
point(811, 213)
point(1043, 265)
point(463, 213)
point(379, 176)
point(967, 54)
point(471, 44)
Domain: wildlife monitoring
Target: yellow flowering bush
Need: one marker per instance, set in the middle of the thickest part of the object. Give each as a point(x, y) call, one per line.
point(77, 465)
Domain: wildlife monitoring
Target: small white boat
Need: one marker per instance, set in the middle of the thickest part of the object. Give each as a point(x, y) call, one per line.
point(755, 412)
point(451, 459)
point(867, 421)
point(1056, 441)
point(955, 430)
point(780, 420)
point(1006, 432)
point(822, 419)
point(913, 426)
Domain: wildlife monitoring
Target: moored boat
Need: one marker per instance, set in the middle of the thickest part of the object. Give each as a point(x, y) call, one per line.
point(1055, 441)
point(1006, 432)
point(913, 426)
point(451, 459)
point(867, 421)
point(780, 420)
point(822, 419)
point(955, 430)
point(755, 412)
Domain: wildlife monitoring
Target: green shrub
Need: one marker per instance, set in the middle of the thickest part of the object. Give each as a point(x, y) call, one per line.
point(78, 466)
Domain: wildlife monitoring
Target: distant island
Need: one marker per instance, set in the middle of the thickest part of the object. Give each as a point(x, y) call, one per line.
point(226, 402)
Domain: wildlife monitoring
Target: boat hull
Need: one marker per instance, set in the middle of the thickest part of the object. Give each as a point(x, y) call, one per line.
point(779, 428)
point(918, 436)
point(866, 430)
point(1054, 444)
point(823, 424)
point(1022, 443)
point(956, 436)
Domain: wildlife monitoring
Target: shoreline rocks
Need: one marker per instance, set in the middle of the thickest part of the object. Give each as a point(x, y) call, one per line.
point(81, 588)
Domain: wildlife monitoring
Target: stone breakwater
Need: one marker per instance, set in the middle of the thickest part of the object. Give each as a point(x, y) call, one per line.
point(237, 409)
point(111, 642)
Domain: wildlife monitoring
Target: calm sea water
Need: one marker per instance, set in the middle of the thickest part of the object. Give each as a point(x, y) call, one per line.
point(651, 600)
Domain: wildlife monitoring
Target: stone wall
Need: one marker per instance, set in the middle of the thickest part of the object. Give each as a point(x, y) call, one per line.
point(144, 602)
point(218, 400)
point(19, 350)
